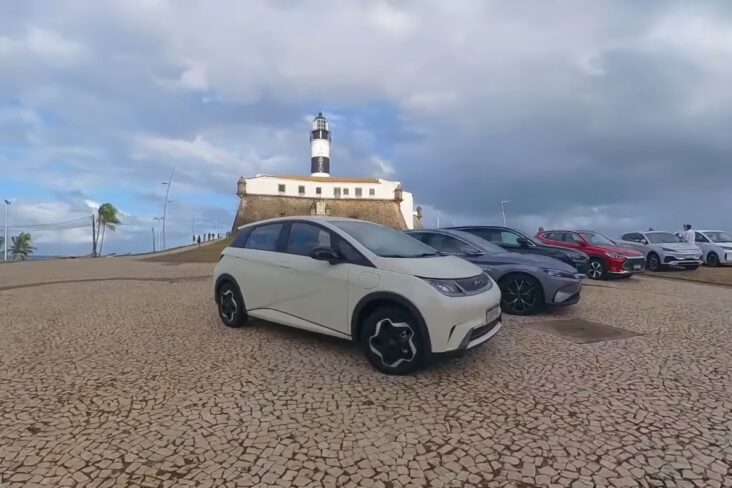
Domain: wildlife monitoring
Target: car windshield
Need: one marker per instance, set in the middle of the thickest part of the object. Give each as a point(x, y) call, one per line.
point(597, 239)
point(385, 242)
point(662, 238)
point(718, 236)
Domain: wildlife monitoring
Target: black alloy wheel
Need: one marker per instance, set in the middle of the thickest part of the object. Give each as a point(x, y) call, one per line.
point(713, 259)
point(521, 295)
point(391, 341)
point(654, 263)
point(231, 305)
point(597, 270)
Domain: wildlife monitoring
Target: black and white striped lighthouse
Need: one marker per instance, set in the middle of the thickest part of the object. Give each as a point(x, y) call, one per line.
point(320, 147)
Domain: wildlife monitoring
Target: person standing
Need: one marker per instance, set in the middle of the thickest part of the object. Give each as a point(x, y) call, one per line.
point(688, 235)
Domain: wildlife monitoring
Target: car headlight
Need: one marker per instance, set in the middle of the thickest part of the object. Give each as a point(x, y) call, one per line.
point(446, 287)
point(665, 249)
point(614, 255)
point(559, 274)
point(462, 287)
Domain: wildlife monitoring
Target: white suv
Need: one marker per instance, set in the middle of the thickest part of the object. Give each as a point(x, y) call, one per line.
point(401, 300)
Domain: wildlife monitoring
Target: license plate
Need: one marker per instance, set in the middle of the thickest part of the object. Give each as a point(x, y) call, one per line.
point(636, 266)
point(492, 314)
point(690, 256)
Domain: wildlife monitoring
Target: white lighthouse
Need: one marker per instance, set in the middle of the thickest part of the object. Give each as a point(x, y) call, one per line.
point(320, 147)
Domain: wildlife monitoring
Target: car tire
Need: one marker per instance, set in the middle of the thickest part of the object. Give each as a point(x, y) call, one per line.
point(692, 267)
point(597, 270)
point(712, 259)
point(391, 340)
point(521, 294)
point(232, 311)
point(653, 262)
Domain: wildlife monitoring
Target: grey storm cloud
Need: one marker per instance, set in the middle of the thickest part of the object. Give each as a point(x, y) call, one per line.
point(604, 114)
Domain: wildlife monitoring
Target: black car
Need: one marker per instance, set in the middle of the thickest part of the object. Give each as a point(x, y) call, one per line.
point(514, 241)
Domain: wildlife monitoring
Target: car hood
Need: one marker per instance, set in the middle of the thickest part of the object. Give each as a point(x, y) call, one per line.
point(449, 267)
point(625, 251)
point(522, 259)
point(679, 246)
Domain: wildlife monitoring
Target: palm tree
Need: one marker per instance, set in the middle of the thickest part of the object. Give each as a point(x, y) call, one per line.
point(106, 218)
point(22, 248)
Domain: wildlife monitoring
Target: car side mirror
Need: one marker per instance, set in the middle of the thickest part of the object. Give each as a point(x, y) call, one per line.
point(523, 242)
point(325, 254)
point(643, 241)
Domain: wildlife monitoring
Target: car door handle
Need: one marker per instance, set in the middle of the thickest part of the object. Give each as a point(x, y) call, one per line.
point(284, 266)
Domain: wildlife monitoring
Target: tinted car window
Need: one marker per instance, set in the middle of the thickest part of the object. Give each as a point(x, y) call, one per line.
point(633, 237)
point(572, 238)
point(448, 244)
point(306, 237)
point(349, 253)
point(553, 236)
point(490, 235)
point(700, 238)
point(241, 238)
point(264, 237)
point(509, 238)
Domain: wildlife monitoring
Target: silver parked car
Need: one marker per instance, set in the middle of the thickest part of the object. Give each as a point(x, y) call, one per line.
point(528, 282)
point(663, 249)
point(716, 246)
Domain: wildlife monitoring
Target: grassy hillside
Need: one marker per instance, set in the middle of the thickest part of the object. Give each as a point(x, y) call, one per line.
point(207, 253)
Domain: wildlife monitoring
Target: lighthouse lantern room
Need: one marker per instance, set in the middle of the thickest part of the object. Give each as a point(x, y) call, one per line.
point(320, 147)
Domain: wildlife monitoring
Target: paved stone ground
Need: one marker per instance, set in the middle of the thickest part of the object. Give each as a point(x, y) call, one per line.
point(136, 383)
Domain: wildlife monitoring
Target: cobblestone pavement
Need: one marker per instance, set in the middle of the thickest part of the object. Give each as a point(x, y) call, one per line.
point(136, 383)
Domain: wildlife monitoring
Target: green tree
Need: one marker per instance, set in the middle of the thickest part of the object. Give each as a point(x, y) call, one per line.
point(107, 218)
point(21, 247)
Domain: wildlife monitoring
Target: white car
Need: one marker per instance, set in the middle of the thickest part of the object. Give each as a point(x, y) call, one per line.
point(401, 300)
point(663, 249)
point(716, 245)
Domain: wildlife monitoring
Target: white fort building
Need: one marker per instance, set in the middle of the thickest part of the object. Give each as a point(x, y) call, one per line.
point(374, 199)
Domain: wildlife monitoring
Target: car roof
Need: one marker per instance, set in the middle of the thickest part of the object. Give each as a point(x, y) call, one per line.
point(310, 218)
point(456, 227)
point(708, 230)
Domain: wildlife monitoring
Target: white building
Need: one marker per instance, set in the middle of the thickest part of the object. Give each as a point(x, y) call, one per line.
point(376, 199)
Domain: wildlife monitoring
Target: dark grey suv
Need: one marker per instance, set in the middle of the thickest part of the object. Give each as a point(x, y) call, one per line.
point(528, 282)
point(514, 241)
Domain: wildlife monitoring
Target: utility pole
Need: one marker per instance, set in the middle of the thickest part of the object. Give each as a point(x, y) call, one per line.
point(503, 210)
point(165, 204)
point(5, 241)
point(153, 234)
point(157, 219)
point(216, 224)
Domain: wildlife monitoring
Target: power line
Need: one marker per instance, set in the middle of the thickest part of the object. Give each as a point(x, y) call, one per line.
point(68, 224)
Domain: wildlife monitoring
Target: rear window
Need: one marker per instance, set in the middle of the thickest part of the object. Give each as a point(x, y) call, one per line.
point(264, 237)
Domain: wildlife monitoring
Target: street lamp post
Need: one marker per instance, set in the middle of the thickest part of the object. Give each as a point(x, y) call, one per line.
point(165, 204)
point(503, 210)
point(157, 219)
point(5, 240)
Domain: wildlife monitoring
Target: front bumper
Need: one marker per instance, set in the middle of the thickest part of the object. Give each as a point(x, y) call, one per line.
point(682, 260)
point(449, 320)
point(582, 267)
point(628, 266)
point(479, 335)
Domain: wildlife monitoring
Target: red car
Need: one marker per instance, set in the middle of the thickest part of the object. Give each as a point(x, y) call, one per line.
point(606, 257)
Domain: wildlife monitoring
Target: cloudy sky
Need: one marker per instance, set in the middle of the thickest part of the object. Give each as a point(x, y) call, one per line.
point(610, 115)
